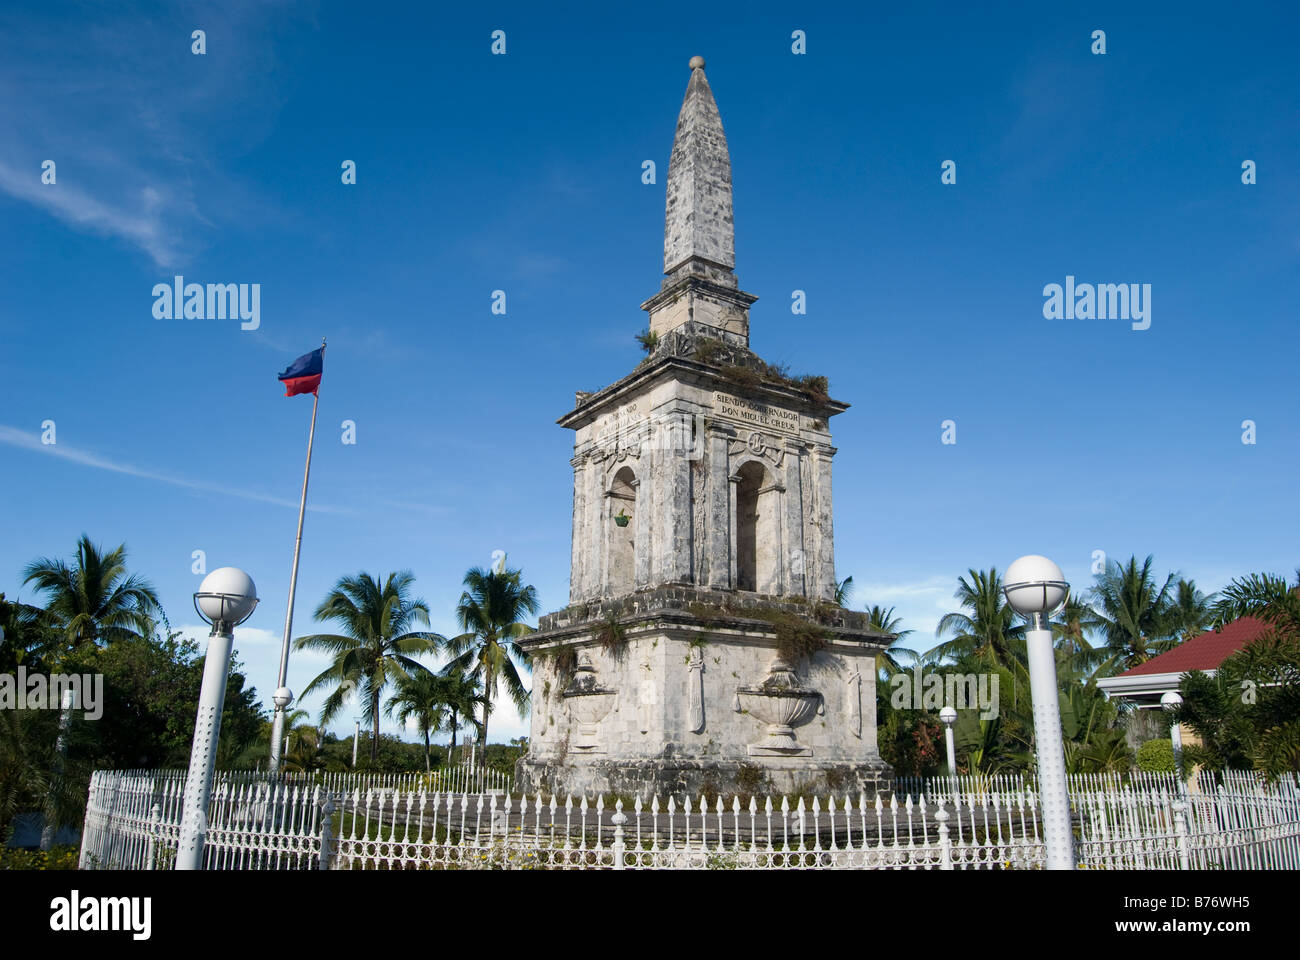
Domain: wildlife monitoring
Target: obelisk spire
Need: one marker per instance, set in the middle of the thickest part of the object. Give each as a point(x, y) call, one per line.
point(699, 234)
point(700, 295)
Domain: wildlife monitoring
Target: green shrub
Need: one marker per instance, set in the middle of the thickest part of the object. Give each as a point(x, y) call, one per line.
point(58, 858)
point(1156, 756)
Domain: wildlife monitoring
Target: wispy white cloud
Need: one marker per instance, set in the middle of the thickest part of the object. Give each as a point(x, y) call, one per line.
point(114, 97)
point(884, 593)
point(244, 636)
point(257, 635)
point(14, 437)
point(142, 225)
point(920, 604)
point(257, 644)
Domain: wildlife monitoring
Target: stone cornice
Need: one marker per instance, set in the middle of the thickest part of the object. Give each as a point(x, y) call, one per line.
point(677, 288)
point(731, 628)
point(671, 605)
point(659, 369)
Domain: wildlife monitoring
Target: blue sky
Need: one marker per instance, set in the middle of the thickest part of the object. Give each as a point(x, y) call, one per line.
point(523, 173)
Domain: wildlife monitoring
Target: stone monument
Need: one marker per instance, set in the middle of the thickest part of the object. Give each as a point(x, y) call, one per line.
point(702, 648)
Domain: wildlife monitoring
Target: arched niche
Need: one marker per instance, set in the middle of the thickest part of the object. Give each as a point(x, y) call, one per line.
point(756, 542)
point(620, 501)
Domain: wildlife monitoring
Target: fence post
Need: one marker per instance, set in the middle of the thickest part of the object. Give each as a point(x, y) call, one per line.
point(618, 820)
point(945, 842)
point(1180, 827)
point(150, 850)
point(326, 831)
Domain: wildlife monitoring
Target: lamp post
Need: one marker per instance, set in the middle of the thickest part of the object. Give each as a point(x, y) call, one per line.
point(1034, 587)
point(281, 699)
point(226, 598)
point(1170, 702)
point(356, 736)
point(948, 716)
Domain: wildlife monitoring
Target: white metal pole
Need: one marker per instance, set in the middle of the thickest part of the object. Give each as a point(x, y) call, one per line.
point(277, 722)
point(1176, 736)
point(203, 753)
point(1053, 790)
point(356, 737)
point(952, 754)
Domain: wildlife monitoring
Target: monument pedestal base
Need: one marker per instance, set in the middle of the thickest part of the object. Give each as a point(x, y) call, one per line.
point(678, 691)
point(681, 778)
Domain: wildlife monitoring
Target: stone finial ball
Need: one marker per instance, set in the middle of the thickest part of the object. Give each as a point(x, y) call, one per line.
point(697, 63)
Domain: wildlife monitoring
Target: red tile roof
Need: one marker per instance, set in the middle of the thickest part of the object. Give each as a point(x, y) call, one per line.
point(1204, 652)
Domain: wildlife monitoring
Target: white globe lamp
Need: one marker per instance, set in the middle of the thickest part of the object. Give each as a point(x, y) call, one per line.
point(227, 597)
point(1034, 585)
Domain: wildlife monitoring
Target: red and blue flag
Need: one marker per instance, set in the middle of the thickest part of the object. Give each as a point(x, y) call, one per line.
point(303, 375)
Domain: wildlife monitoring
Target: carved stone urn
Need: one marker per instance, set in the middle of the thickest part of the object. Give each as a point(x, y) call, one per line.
point(588, 704)
point(783, 703)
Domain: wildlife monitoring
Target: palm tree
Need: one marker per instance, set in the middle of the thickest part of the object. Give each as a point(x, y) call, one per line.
point(1272, 660)
point(94, 600)
point(1075, 654)
point(491, 612)
point(23, 633)
point(1266, 597)
point(461, 696)
point(843, 589)
point(985, 627)
point(1191, 612)
point(377, 645)
point(304, 748)
point(24, 763)
point(888, 661)
point(1135, 613)
point(1105, 752)
point(294, 720)
point(420, 698)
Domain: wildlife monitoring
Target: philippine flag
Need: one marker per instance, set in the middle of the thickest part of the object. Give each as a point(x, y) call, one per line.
point(303, 375)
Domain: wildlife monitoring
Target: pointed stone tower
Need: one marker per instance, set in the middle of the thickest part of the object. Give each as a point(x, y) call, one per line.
point(702, 648)
point(699, 233)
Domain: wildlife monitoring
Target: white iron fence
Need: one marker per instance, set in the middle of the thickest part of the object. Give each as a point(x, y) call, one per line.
point(457, 779)
point(1234, 821)
point(1004, 783)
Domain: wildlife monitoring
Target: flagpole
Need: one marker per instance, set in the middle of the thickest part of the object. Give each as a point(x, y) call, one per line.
point(277, 723)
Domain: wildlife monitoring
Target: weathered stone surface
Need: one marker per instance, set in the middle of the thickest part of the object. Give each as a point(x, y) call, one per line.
point(649, 738)
point(693, 457)
point(702, 544)
point(698, 224)
point(699, 287)
point(697, 778)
